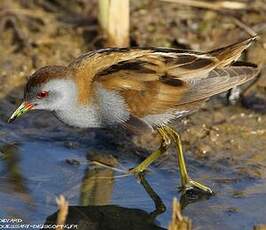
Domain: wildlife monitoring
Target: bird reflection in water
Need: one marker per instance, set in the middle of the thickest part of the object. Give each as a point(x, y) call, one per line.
point(94, 215)
point(96, 191)
point(12, 178)
point(98, 182)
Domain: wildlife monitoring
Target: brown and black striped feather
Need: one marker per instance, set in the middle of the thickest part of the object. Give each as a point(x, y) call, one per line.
point(154, 80)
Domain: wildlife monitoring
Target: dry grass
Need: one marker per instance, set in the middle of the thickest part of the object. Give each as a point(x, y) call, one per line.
point(179, 222)
point(116, 31)
point(260, 227)
point(231, 5)
point(62, 204)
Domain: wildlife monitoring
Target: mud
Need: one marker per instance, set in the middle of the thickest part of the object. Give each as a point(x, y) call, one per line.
point(41, 158)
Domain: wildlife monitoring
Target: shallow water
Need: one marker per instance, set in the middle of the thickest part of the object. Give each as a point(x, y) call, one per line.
point(224, 146)
point(37, 166)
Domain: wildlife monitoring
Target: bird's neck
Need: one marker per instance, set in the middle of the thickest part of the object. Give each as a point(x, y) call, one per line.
point(105, 108)
point(80, 116)
point(70, 111)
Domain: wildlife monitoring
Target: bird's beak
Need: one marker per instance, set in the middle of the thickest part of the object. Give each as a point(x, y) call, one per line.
point(23, 108)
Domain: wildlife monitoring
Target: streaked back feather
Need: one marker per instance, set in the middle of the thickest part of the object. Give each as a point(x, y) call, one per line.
point(153, 80)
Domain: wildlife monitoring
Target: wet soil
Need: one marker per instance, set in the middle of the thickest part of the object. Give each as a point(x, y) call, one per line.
point(41, 158)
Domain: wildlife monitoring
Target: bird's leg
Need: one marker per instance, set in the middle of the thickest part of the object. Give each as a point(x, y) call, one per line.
point(166, 141)
point(186, 182)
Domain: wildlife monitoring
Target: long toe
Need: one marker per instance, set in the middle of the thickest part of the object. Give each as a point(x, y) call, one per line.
point(194, 187)
point(136, 171)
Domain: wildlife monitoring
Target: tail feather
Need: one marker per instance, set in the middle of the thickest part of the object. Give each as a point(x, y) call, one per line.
point(228, 54)
point(218, 81)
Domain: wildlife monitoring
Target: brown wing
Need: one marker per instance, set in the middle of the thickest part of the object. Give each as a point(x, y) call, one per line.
point(157, 96)
point(155, 80)
point(130, 69)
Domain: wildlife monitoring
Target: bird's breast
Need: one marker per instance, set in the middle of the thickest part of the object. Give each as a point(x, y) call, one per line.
point(81, 117)
point(106, 108)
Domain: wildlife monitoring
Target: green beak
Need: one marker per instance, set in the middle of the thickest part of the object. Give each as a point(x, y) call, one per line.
point(23, 108)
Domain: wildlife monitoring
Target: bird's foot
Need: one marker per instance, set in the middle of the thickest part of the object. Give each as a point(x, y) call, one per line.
point(137, 170)
point(122, 172)
point(193, 187)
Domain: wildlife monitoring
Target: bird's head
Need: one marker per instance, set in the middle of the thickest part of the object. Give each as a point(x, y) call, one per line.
point(46, 89)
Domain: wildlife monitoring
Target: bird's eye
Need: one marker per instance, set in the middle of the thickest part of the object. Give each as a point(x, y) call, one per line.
point(42, 94)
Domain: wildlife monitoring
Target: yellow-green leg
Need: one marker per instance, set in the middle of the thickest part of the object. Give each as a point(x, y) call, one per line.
point(166, 141)
point(186, 182)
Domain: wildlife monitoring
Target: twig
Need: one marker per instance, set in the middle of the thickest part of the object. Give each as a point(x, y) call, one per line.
point(114, 20)
point(231, 5)
point(245, 27)
point(108, 166)
point(36, 14)
point(62, 204)
point(179, 222)
point(260, 227)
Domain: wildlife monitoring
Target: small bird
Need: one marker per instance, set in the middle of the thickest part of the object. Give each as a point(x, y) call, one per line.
point(141, 89)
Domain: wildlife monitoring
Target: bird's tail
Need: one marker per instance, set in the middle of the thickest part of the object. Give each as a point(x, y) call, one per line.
point(228, 54)
point(218, 81)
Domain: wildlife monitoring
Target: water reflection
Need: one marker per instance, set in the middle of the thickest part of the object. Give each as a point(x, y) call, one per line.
point(96, 190)
point(108, 217)
point(12, 175)
point(192, 197)
point(98, 182)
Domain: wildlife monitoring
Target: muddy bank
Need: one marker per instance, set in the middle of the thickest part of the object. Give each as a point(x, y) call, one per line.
point(42, 158)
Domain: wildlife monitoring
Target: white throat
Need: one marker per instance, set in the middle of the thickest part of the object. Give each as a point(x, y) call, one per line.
point(67, 108)
point(106, 108)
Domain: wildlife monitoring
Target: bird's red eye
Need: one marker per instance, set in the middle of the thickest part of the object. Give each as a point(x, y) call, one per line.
point(42, 94)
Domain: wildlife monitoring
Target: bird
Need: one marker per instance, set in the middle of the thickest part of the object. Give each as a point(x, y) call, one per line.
point(142, 89)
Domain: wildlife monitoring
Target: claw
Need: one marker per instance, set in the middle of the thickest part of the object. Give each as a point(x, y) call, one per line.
point(137, 171)
point(194, 186)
